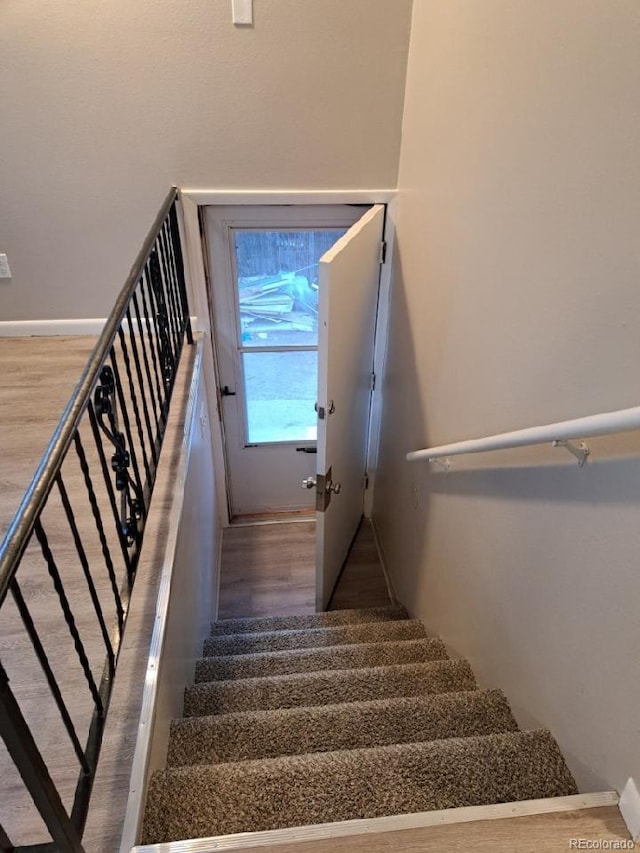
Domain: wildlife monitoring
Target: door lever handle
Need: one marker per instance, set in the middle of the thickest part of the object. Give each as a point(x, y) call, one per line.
point(227, 392)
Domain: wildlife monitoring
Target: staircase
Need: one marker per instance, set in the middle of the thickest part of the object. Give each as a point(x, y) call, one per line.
point(334, 716)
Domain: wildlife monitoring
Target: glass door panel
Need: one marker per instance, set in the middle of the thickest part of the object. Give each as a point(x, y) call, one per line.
point(277, 280)
point(280, 395)
point(276, 292)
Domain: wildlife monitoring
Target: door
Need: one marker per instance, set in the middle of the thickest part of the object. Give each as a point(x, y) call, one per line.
point(264, 265)
point(349, 280)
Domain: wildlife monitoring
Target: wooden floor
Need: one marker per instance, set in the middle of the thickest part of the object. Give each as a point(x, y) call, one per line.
point(37, 376)
point(543, 833)
point(269, 569)
point(36, 381)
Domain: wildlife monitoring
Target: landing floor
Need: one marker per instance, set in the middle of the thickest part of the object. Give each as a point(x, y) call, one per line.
point(544, 833)
point(269, 569)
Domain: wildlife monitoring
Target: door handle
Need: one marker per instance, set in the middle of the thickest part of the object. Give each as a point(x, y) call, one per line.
point(227, 392)
point(309, 483)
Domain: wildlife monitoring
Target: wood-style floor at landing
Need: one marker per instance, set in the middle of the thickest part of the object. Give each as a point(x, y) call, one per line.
point(269, 569)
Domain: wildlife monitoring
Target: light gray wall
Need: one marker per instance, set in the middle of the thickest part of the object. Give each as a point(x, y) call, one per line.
point(516, 302)
point(106, 105)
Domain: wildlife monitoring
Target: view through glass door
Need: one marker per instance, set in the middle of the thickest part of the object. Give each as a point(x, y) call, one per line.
point(265, 281)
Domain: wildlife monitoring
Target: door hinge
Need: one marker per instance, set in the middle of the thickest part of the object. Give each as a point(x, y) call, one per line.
point(322, 412)
point(382, 257)
point(373, 381)
point(366, 482)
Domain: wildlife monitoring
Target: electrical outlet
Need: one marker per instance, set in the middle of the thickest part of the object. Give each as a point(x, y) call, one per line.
point(5, 272)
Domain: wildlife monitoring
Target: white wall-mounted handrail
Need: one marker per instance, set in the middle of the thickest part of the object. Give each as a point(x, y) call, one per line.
point(559, 433)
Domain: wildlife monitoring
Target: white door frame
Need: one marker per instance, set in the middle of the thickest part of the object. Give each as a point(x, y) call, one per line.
point(192, 199)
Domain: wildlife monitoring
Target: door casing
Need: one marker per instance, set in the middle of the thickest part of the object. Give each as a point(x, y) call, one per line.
point(193, 199)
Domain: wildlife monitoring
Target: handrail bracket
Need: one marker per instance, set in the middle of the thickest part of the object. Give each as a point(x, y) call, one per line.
point(579, 450)
point(444, 463)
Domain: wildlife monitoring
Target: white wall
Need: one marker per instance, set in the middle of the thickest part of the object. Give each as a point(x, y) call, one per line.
point(517, 301)
point(105, 105)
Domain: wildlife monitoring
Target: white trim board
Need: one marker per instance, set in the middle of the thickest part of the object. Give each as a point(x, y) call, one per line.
point(144, 735)
point(50, 328)
point(383, 562)
point(207, 196)
point(28, 328)
point(467, 814)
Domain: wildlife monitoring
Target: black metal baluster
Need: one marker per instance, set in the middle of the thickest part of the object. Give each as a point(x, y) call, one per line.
point(169, 291)
point(154, 339)
point(178, 271)
point(68, 615)
point(134, 403)
point(82, 556)
point(127, 427)
point(97, 515)
point(173, 272)
point(106, 473)
point(145, 359)
point(168, 358)
point(177, 248)
point(51, 679)
point(5, 844)
point(26, 756)
point(141, 387)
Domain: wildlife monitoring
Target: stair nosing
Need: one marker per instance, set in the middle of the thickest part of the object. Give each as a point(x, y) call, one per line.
point(289, 631)
point(283, 653)
point(201, 720)
point(327, 756)
point(332, 672)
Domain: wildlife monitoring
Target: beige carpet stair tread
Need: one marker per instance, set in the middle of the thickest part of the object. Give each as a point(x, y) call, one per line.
point(328, 687)
point(352, 656)
point(201, 801)
point(255, 624)
point(328, 728)
point(271, 641)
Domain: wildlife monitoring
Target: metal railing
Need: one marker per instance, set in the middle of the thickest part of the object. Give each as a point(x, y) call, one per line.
point(560, 434)
point(107, 445)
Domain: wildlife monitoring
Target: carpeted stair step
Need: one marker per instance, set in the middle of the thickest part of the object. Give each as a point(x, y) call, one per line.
point(271, 641)
point(200, 801)
point(255, 624)
point(328, 687)
point(353, 656)
point(328, 728)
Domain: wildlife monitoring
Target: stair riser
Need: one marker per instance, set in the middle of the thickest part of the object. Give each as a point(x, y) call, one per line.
point(261, 795)
point(250, 736)
point(371, 632)
point(328, 688)
point(310, 620)
point(355, 656)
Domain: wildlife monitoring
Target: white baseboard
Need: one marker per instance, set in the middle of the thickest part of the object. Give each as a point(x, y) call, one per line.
point(28, 328)
point(383, 561)
point(46, 328)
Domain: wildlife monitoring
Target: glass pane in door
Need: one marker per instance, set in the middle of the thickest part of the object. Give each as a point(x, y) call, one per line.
point(277, 279)
point(280, 389)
